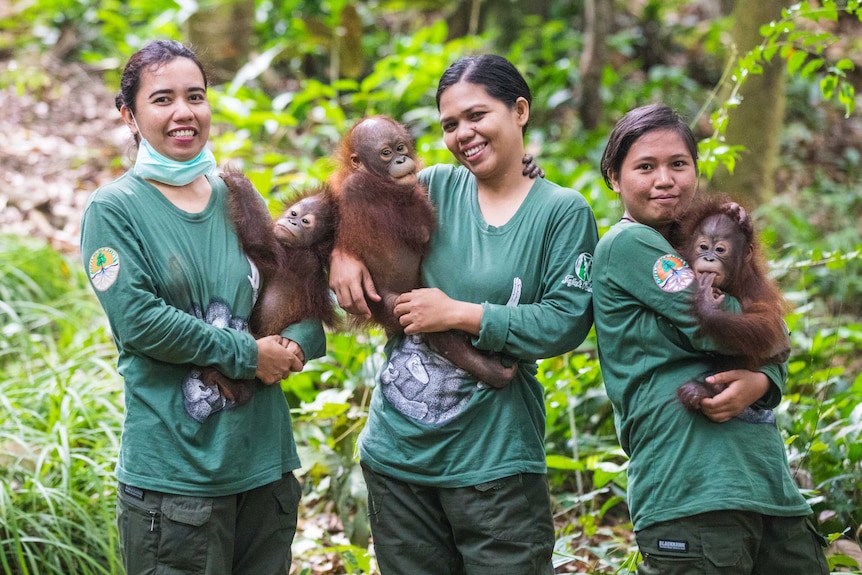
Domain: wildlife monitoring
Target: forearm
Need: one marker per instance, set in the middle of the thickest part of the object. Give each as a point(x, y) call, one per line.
point(143, 322)
point(466, 316)
point(430, 310)
point(536, 331)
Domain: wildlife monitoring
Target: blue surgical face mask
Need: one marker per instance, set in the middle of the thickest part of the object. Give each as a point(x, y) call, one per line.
point(152, 165)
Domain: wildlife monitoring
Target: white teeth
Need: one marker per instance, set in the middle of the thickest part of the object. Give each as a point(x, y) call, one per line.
point(183, 133)
point(474, 150)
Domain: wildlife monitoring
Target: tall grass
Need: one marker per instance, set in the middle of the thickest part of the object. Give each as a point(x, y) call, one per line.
point(60, 417)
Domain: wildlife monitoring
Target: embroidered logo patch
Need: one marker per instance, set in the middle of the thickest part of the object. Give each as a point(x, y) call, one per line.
point(672, 274)
point(677, 546)
point(104, 268)
point(583, 273)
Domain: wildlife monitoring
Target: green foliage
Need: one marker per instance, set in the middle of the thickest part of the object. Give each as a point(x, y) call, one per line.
point(805, 51)
point(97, 30)
point(59, 433)
point(819, 266)
point(817, 237)
point(334, 393)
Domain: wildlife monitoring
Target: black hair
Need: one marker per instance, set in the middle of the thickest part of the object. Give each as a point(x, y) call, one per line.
point(154, 54)
point(635, 124)
point(496, 74)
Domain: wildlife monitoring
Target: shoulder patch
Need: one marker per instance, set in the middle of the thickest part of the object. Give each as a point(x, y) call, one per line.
point(582, 277)
point(584, 267)
point(672, 274)
point(104, 267)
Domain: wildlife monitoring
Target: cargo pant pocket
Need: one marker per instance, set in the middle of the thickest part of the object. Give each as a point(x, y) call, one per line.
point(184, 534)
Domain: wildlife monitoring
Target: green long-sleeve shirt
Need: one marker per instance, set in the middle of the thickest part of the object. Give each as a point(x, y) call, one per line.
point(681, 463)
point(178, 292)
point(433, 424)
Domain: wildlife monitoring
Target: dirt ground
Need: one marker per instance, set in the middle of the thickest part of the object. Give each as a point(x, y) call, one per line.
point(60, 138)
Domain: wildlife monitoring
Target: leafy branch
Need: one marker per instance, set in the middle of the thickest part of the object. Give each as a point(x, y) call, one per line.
point(804, 52)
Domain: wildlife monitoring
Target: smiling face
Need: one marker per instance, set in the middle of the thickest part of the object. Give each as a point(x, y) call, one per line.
point(482, 132)
point(173, 113)
point(657, 179)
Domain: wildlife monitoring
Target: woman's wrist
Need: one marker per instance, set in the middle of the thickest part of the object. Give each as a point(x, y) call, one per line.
point(467, 317)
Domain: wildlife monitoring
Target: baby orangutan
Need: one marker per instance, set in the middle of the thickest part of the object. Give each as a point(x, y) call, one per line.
point(725, 255)
point(385, 220)
point(291, 254)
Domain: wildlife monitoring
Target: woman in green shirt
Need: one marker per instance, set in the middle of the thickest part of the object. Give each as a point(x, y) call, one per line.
point(708, 491)
point(206, 484)
point(456, 470)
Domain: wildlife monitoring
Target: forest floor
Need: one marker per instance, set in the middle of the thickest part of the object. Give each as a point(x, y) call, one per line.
point(61, 139)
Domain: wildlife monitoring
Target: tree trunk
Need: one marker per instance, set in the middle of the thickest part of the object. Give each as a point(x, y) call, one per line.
point(756, 123)
point(506, 16)
point(597, 18)
point(220, 33)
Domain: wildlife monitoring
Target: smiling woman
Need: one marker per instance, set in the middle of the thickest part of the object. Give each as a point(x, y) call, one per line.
point(173, 110)
point(455, 468)
point(169, 116)
point(206, 483)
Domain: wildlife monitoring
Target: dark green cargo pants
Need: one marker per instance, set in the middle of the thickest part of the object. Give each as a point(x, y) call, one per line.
point(502, 527)
point(732, 543)
point(248, 533)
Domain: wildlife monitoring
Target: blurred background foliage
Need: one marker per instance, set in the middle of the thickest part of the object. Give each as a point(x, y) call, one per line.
point(773, 104)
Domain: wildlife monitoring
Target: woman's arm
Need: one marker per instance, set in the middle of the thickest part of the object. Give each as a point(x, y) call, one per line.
point(142, 321)
point(562, 315)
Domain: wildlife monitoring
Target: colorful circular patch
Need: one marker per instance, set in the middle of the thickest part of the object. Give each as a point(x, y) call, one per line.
point(672, 274)
point(104, 268)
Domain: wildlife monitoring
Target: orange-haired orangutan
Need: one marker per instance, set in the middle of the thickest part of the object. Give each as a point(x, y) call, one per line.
point(291, 254)
point(721, 247)
point(386, 221)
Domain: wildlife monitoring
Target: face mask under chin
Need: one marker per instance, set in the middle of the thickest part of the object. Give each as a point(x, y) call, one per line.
point(154, 166)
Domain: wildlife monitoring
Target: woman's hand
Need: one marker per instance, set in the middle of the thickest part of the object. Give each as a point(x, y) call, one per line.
point(351, 282)
point(294, 348)
point(531, 168)
point(743, 388)
point(277, 357)
point(429, 310)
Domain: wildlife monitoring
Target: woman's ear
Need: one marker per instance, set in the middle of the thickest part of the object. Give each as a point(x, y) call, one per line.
point(615, 182)
point(129, 119)
point(522, 111)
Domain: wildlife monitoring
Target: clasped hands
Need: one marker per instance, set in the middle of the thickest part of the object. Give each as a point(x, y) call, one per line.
point(277, 358)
